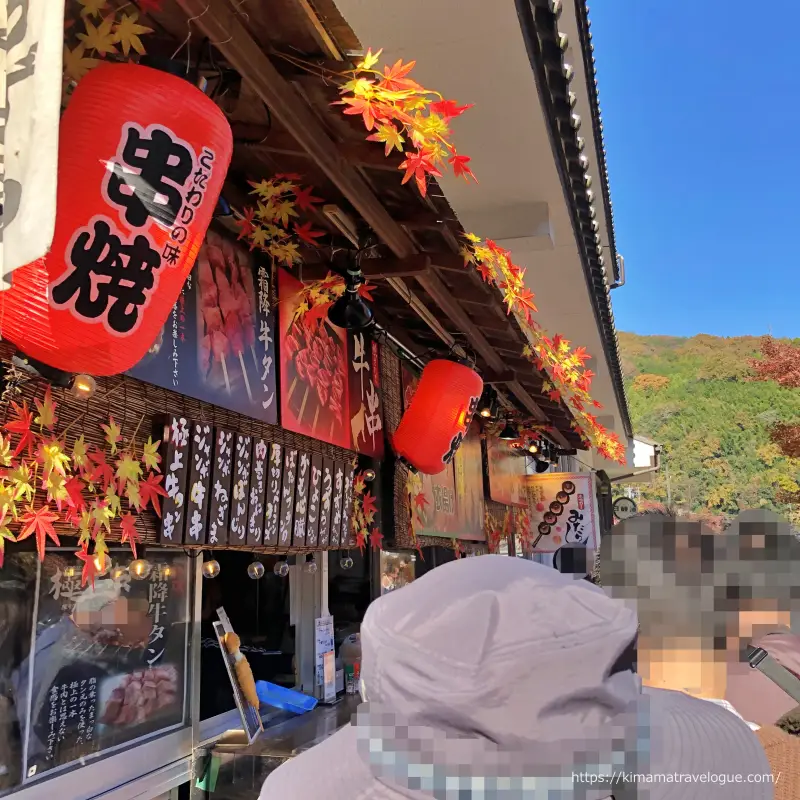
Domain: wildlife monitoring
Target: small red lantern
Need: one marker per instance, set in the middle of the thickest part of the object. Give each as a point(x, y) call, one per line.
point(435, 423)
point(142, 158)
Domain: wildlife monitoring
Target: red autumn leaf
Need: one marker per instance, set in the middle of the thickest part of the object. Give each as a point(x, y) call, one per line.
point(368, 506)
point(89, 567)
point(246, 224)
point(555, 396)
point(101, 472)
point(366, 108)
point(129, 531)
point(395, 77)
point(449, 108)
point(150, 490)
point(375, 539)
point(485, 271)
point(366, 289)
point(581, 354)
point(21, 425)
point(308, 235)
point(525, 299)
point(461, 168)
point(421, 501)
point(305, 200)
point(597, 404)
point(75, 487)
point(418, 165)
point(40, 524)
point(288, 176)
point(148, 6)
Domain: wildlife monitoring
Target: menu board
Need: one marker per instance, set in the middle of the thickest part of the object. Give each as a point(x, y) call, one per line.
point(314, 501)
point(221, 477)
point(301, 500)
point(330, 379)
point(242, 455)
point(366, 411)
point(348, 538)
point(506, 473)
point(326, 501)
point(562, 509)
point(287, 497)
point(272, 502)
point(109, 663)
point(258, 490)
point(176, 470)
point(200, 457)
point(468, 468)
point(219, 343)
point(336, 504)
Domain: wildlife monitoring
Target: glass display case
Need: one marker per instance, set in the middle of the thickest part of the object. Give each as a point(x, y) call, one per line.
point(397, 569)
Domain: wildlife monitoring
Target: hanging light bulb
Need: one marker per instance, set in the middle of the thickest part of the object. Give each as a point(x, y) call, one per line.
point(70, 572)
point(369, 475)
point(118, 572)
point(255, 571)
point(346, 562)
point(533, 447)
point(211, 568)
point(281, 569)
point(101, 563)
point(83, 386)
point(311, 565)
point(140, 569)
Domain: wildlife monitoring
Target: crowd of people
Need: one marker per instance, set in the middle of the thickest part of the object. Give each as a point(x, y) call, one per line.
point(665, 675)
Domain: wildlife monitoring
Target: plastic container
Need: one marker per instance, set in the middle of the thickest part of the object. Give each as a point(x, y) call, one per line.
point(285, 699)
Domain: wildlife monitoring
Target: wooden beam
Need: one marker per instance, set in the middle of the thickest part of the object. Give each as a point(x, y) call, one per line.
point(221, 24)
point(376, 269)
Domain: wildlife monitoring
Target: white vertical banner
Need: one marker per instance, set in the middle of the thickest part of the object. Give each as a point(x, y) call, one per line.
point(30, 109)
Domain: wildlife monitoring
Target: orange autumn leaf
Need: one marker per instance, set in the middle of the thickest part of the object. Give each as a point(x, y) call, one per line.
point(39, 523)
point(129, 533)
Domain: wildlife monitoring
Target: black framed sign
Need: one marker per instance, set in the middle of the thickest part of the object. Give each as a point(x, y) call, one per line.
point(314, 499)
point(326, 501)
point(241, 483)
point(272, 503)
point(258, 490)
point(176, 473)
point(301, 499)
point(336, 505)
point(287, 497)
point(199, 485)
point(221, 478)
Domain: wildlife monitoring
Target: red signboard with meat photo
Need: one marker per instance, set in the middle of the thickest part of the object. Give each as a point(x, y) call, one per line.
point(313, 364)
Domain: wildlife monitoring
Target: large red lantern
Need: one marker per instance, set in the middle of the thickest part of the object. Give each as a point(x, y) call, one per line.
point(142, 158)
point(435, 423)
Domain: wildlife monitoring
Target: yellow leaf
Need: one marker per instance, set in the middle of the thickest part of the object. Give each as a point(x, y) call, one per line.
point(133, 495)
point(79, 455)
point(150, 455)
point(390, 136)
point(370, 59)
point(264, 189)
point(112, 502)
point(472, 237)
point(360, 87)
point(259, 237)
point(56, 488)
point(92, 8)
point(128, 31)
point(76, 64)
point(113, 434)
point(286, 186)
point(53, 458)
point(101, 515)
point(46, 417)
point(5, 452)
point(21, 480)
point(128, 469)
point(99, 39)
point(83, 528)
point(283, 211)
point(7, 500)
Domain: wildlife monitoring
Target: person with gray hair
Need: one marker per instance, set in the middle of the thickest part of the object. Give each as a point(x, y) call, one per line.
point(703, 599)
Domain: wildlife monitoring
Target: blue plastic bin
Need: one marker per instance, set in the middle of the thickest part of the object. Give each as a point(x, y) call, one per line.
point(276, 696)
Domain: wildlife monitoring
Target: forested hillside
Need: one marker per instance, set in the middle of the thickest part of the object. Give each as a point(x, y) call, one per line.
point(694, 396)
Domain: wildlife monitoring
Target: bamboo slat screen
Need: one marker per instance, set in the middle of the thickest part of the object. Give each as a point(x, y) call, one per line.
point(138, 408)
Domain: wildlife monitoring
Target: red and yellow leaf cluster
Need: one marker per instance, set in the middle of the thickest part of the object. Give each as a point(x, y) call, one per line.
point(364, 510)
point(570, 380)
point(101, 31)
point(273, 225)
point(316, 297)
point(404, 116)
point(43, 484)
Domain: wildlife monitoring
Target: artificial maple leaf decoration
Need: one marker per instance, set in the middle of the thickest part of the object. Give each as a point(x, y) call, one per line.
point(22, 482)
point(53, 458)
point(150, 456)
point(46, 418)
point(376, 539)
point(89, 566)
point(5, 452)
point(128, 469)
point(99, 39)
point(304, 199)
point(101, 472)
point(77, 64)
point(74, 488)
point(149, 6)
point(127, 33)
point(307, 235)
point(113, 434)
point(21, 425)
point(420, 501)
point(5, 535)
point(150, 490)
point(368, 507)
point(39, 523)
point(92, 8)
point(129, 534)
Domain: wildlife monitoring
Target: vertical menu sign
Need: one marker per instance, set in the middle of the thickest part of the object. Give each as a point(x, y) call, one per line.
point(241, 482)
point(348, 536)
point(266, 346)
point(301, 500)
point(199, 483)
point(220, 488)
point(338, 499)
point(326, 502)
point(287, 497)
point(314, 500)
point(258, 489)
point(272, 504)
point(176, 436)
point(366, 412)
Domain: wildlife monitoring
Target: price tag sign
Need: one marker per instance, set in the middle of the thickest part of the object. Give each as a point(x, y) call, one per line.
point(624, 508)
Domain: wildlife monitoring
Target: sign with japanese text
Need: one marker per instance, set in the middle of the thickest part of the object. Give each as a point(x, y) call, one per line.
point(221, 480)
point(313, 369)
point(177, 432)
point(506, 473)
point(562, 509)
point(337, 502)
point(258, 491)
point(366, 407)
point(199, 485)
point(272, 502)
point(348, 536)
point(242, 456)
point(314, 501)
point(436, 509)
point(219, 343)
point(287, 497)
point(301, 499)
point(110, 662)
point(326, 501)
point(468, 467)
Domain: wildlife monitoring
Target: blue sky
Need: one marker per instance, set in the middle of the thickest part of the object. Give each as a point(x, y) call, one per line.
point(701, 107)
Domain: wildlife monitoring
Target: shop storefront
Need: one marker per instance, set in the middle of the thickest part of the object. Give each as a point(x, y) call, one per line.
point(261, 378)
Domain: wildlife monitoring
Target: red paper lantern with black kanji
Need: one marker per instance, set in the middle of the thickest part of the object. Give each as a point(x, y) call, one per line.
point(435, 423)
point(142, 158)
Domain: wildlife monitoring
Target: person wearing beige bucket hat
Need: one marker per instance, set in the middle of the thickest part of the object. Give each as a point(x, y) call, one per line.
point(497, 677)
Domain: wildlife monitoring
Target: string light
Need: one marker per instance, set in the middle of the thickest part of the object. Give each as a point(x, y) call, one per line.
point(140, 569)
point(211, 568)
point(255, 571)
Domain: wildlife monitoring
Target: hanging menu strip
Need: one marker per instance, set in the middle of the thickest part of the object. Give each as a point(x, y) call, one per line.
point(241, 481)
point(336, 505)
point(287, 497)
point(221, 475)
point(326, 502)
point(272, 504)
point(301, 499)
point(258, 490)
point(176, 459)
point(348, 537)
point(199, 485)
point(314, 498)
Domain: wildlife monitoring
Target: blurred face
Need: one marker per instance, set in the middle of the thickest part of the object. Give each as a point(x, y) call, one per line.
point(127, 617)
